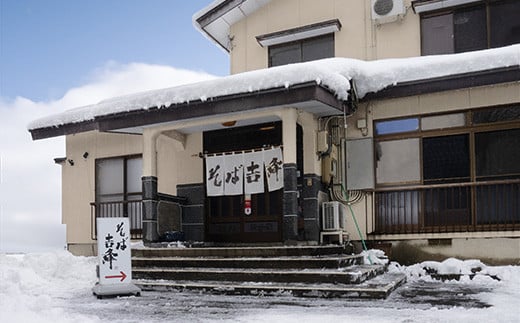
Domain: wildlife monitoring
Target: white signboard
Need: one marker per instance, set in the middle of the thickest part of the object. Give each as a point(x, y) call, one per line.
point(115, 264)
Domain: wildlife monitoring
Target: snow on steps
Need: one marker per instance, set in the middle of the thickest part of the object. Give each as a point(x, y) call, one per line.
point(377, 288)
point(303, 271)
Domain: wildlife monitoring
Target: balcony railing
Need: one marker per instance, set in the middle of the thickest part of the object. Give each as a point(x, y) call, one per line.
point(459, 207)
point(131, 209)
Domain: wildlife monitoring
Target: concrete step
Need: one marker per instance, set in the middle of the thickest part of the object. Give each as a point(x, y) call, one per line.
point(377, 288)
point(243, 251)
point(250, 262)
point(349, 275)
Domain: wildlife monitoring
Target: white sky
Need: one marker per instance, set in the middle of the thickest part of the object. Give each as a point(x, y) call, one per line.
point(30, 182)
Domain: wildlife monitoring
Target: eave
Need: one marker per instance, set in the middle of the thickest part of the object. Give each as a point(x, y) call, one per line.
point(308, 96)
point(447, 83)
point(215, 20)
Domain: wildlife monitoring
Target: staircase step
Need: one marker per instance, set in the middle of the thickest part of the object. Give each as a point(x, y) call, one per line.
point(276, 251)
point(379, 287)
point(249, 262)
point(350, 275)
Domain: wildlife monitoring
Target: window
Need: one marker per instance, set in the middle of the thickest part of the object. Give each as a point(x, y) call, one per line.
point(398, 161)
point(118, 190)
point(445, 158)
point(497, 153)
point(475, 27)
point(443, 121)
point(508, 113)
point(497, 157)
point(302, 50)
point(396, 126)
point(449, 172)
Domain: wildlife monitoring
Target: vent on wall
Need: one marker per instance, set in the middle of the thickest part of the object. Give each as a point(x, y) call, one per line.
point(384, 11)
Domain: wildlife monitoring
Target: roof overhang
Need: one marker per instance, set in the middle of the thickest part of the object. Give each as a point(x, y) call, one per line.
point(420, 6)
point(306, 96)
point(215, 20)
point(447, 83)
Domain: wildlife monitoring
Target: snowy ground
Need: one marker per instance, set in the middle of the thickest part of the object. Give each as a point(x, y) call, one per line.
point(56, 287)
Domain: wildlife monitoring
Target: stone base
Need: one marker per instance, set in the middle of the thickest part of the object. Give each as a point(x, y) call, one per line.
point(111, 290)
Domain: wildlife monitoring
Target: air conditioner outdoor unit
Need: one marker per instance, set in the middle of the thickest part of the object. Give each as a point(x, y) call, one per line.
point(384, 11)
point(333, 216)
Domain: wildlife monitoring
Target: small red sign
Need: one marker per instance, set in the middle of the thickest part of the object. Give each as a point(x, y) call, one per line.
point(122, 276)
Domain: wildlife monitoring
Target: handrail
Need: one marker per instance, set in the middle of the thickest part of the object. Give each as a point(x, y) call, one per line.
point(449, 185)
point(452, 207)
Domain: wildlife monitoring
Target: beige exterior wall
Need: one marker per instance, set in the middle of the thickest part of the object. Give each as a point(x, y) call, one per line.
point(360, 37)
point(78, 181)
point(178, 163)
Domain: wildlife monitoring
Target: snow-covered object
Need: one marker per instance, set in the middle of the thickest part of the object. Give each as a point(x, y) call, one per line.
point(450, 267)
point(332, 73)
point(374, 257)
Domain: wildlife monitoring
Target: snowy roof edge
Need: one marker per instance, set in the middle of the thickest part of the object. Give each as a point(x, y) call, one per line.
point(333, 74)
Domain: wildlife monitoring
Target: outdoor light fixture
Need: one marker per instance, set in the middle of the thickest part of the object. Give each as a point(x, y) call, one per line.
point(229, 123)
point(85, 155)
point(71, 162)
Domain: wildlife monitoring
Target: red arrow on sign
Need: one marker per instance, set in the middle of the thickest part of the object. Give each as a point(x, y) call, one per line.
point(122, 276)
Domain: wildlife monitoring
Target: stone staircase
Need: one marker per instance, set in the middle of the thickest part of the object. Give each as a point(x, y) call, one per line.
point(318, 271)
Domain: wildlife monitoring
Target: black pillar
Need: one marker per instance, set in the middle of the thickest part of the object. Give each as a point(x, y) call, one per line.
point(150, 201)
point(193, 211)
point(312, 188)
point(290, 203)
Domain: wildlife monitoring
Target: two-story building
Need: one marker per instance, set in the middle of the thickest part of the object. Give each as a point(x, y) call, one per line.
point(407, 112)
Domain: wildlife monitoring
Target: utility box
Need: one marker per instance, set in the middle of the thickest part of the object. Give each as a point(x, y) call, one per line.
point(360, 164)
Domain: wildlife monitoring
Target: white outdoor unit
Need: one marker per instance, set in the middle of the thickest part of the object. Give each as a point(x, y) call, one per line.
point(333, 216)
point(384, 11)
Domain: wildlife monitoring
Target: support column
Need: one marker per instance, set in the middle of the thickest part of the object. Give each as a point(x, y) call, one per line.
point(311, 206)
point(290, 194)
point(149, 182)
point(150, 202)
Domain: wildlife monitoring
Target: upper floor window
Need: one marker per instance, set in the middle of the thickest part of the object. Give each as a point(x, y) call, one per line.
point(301, 44)
point(302, 50)
point(480, 25)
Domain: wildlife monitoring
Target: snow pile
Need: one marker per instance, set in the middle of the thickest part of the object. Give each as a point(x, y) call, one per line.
point(456, 269)
point(332, 73)
point(374, 257)
point(34, 286)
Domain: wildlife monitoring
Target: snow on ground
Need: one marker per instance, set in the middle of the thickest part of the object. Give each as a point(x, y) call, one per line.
point(333, 73)
point(56, 287)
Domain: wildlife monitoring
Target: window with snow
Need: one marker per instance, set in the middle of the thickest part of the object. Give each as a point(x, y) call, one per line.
point(474, 27)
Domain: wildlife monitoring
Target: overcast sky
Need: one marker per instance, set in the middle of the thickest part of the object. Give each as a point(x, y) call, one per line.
point(60, 54)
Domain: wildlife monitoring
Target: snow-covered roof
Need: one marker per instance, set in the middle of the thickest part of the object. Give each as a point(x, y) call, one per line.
point(215, 20)
point(332, 74)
